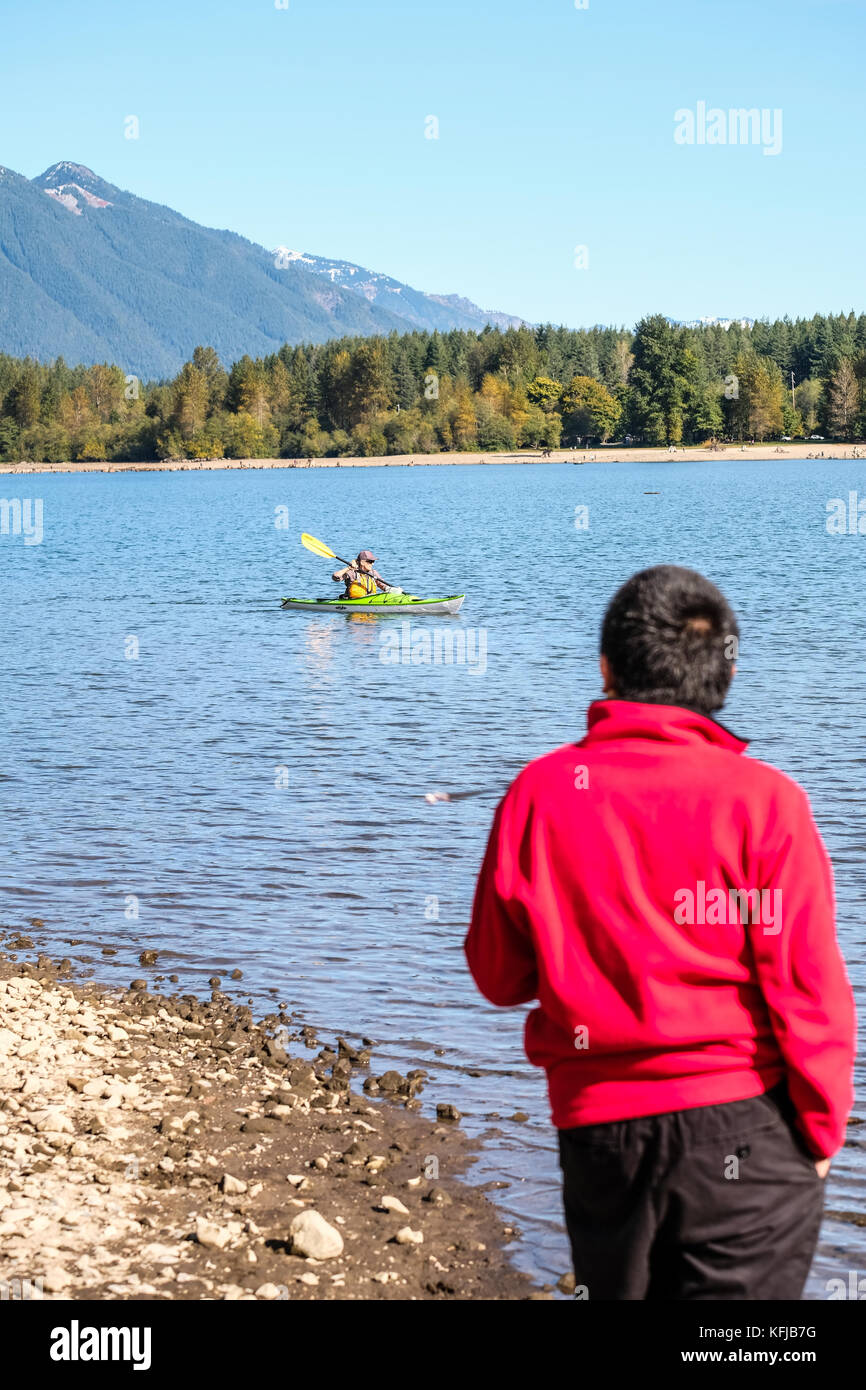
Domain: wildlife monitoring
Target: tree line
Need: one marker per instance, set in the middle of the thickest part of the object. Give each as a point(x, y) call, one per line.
point(427, 392)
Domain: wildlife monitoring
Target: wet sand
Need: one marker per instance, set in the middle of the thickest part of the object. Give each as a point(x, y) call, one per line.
point(159, 1146)
point(601, 454)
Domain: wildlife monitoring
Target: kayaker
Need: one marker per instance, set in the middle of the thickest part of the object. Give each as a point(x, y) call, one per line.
point(668, 902)
point(361, 579)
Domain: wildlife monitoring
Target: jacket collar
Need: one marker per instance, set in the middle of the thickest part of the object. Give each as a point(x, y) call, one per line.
point(622, 719)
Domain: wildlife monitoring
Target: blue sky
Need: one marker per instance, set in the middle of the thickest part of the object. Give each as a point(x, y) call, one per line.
point(305, 127)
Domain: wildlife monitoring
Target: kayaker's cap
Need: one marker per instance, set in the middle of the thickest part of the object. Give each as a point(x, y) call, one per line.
point(367, 555)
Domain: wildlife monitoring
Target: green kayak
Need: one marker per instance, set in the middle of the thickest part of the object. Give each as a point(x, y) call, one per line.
point(382, 605)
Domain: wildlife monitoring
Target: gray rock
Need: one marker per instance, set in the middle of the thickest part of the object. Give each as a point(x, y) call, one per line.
point(447, 1112)
point(391, 1081)
point(438, 1197)
point(260, 1124)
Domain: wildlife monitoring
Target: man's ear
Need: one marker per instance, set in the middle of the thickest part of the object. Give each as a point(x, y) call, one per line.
point(606, 676)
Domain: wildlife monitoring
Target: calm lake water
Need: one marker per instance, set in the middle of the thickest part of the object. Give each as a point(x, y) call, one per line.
point(255, 778)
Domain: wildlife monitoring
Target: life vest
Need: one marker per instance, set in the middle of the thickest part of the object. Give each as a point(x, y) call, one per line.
point(362, 587)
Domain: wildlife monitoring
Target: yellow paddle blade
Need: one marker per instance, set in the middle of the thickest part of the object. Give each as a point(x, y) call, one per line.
point(317, 547)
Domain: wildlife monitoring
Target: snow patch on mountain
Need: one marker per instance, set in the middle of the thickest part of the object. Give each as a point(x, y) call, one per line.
point(68, 171)
point(67, 200)
point(416, 305)
point(63, 193)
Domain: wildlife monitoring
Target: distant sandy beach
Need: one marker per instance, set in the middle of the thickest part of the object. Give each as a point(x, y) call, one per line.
point(602, 454)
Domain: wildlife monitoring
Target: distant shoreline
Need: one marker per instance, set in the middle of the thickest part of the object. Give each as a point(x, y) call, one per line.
point(602, 454)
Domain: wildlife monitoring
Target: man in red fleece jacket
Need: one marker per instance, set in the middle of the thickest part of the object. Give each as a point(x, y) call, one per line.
point(669, 903)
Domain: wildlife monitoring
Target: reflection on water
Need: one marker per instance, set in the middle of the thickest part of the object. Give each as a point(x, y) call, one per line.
point(256, 777)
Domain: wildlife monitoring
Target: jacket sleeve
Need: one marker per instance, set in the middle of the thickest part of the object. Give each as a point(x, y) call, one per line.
point(802, 975)
point(499, 946)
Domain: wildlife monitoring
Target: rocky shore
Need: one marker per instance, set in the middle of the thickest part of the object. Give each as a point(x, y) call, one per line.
point(167, 1147)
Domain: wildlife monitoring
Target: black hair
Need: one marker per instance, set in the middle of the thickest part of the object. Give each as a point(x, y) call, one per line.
point(671, 638)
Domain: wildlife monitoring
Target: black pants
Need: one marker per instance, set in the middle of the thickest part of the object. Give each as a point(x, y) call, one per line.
point(721, 1202)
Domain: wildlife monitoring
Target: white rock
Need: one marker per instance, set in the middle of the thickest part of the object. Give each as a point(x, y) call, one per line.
point(266, 1291)
point(406, 1236)
point(18, 1214)
point(53, 1121)
point(159, 1254)
point(308, 1278)
point(315, 1237)
point(232, 1186)
point(395, 1205)
point(209, 1234)
point(55, 1279)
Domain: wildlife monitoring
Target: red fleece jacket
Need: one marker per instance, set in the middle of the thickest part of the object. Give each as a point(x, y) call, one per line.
point(609, 894)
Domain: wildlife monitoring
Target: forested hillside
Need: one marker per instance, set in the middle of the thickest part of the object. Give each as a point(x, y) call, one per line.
point(94, 273)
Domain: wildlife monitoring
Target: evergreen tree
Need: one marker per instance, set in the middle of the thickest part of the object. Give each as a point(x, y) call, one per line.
point(658, 381)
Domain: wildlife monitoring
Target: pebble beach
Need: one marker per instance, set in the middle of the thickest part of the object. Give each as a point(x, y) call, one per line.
point(607, 453)
point(157, 1146)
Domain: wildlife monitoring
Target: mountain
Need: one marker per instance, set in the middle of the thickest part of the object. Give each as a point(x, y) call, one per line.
point(712, 322)
point(426, 311)
point(92, 273)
